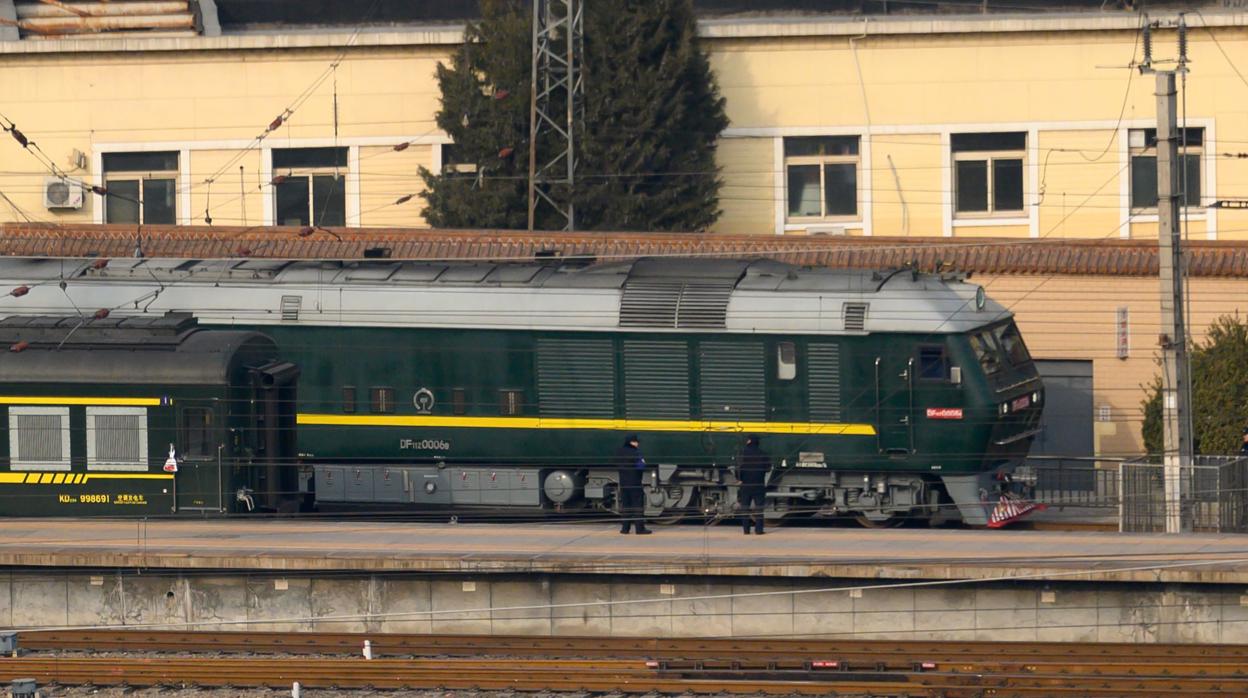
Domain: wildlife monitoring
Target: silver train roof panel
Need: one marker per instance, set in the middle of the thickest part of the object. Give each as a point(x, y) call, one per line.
point(713, 294)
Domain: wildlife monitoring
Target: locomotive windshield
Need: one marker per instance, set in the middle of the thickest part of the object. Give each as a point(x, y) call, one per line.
point(1011, 343)
point(1000, 347)
point(985, 352)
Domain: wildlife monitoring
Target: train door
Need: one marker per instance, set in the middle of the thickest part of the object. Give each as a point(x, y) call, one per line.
point(894, 403)
point(275, 472)
point(199, 481)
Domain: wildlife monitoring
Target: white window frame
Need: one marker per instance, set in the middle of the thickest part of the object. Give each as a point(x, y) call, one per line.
point(991, 157)
point(1151, 151)
point(142, 176)
point(15, 439)
point(821, 160)
point(343, 171)
point(129, 466)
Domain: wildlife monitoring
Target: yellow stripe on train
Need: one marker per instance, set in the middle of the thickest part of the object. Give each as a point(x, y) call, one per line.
point(826, 428)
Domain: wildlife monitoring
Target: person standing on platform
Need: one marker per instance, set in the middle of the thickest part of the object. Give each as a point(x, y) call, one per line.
point(752, 472)
point(1243, 446)
point(632, 501)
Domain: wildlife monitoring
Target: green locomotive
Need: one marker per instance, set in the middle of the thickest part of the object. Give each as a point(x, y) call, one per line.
point(507, 386)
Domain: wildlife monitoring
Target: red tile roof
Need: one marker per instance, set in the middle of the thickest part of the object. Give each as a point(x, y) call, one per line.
point(993, 256)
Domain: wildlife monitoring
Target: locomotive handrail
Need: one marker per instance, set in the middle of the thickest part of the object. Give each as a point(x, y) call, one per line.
point(910, 391)
point(879, 423)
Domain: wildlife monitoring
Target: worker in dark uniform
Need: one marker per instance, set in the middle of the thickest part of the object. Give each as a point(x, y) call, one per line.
point(752, 472)
point(632, 501)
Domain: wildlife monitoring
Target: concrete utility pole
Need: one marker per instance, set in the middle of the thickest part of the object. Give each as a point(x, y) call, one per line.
point(1177, 455)
point(556, 103)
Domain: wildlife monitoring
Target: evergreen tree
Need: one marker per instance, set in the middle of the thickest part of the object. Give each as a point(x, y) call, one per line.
point(485, 111)
point(645, 145)
point(1219, 391)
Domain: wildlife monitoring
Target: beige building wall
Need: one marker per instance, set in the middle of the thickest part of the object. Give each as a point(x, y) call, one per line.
point(904, 89)
point(1076, 318)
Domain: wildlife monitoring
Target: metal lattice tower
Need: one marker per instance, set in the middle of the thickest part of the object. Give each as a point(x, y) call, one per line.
point(556, 103)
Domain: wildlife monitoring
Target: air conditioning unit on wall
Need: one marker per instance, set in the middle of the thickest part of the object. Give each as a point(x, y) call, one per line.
point(61, 193)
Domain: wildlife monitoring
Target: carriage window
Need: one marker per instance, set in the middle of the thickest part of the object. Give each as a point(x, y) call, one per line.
point(348, 399)
point(1011, 343)
point(985, 353)
point(381, 400)
point(786, 361)
point(197, 433)
point(510, 402)
point(39, 438)
point(459, 401)
point(932, 364)
point(116, 438)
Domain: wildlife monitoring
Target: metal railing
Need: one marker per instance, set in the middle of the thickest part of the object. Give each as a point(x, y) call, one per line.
point(1080, 482)
point(1214, 495)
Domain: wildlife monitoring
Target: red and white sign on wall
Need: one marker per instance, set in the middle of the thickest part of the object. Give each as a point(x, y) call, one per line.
point(944, 413)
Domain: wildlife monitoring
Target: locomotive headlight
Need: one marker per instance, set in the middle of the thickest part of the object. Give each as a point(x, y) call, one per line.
point(1005, 408)
point(1035, 397)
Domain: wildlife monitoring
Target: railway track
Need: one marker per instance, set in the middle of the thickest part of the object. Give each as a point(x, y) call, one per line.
point(649, 665)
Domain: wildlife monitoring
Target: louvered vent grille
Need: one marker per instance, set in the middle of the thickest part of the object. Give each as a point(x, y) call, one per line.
point(118, 438)
point(650, 303)
point(576, 378)
point(733, 383)
point(823, 382)
point(704, 305)
point(39, 438)
point(855, 316)
point(656, 380)
point(290, 307)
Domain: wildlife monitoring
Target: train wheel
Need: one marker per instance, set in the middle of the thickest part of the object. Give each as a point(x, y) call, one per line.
point(889, 521)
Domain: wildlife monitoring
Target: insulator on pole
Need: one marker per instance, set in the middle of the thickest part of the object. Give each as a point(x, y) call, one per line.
point(1182, 40)
point(1148, 44)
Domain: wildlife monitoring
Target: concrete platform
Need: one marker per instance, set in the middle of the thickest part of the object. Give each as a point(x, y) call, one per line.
point(308, 546)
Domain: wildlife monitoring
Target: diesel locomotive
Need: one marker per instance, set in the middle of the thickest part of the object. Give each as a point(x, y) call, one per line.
point(182, 386)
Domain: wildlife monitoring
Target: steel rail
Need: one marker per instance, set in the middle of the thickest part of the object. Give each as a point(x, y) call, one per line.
point(575, 646)
point(626, 677)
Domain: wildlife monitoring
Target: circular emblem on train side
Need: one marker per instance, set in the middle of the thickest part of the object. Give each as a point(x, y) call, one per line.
point(423, 401)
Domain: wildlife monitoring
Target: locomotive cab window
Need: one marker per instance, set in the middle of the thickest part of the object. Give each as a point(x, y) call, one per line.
point(1011, 343)
point(985, 352)
point(348, 399)
point(932, 364)
point(198, 426)
point(786, 361)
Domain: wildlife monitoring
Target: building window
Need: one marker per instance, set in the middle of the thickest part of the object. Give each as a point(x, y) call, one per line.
point(988, 173)
point(1143, 144)
point(821, 173)
point(39, 438)
point(453, 162)
point(116, 438)
point(142, 188)
point(310, 186)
